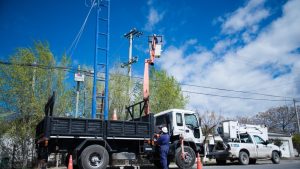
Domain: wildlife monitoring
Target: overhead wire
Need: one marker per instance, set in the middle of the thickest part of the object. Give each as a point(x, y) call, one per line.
point(90, 73)
point(235, 97)
point(236, 91)
point(73, 46)
point(223, 89)
point(209, 94)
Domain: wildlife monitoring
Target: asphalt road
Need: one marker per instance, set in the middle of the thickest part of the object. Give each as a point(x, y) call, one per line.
point(265, 164)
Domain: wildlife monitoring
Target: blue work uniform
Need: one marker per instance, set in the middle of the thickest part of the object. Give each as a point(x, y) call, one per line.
point(163, 141)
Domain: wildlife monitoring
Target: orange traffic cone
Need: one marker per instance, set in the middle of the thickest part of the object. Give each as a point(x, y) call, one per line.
point(114, 117)
point(70, 165)
point(199, 165)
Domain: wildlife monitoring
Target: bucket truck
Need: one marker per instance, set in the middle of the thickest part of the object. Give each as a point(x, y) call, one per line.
point(245, 143)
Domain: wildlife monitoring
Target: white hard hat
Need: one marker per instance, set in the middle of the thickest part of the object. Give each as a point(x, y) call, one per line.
point(164, 130)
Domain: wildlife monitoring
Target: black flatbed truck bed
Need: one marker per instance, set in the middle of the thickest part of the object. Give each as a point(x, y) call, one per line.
point(83, 138)
point(59, 127)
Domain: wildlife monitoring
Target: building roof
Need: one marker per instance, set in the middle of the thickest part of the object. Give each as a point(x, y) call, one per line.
point(270, 134)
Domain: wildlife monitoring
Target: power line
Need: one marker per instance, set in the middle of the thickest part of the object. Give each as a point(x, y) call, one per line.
point(90, 73)
point(77, 38)
point(226, 96)
point(64, 68)
point(229, 90)
point(237, 91)
point(232, 97)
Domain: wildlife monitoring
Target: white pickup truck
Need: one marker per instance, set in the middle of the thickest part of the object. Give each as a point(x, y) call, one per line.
point(244, 143)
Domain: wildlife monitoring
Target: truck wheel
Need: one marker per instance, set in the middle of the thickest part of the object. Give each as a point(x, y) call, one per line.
point(243, 158)
point(189, 159)
point(94, 157)
point(220, 161)
point(275, 157)
point(252, 161)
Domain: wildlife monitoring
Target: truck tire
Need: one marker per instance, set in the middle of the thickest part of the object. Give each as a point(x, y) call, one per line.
point(252, 161)
point(243, 158)
point(94, 157)
point(220, 161)
point(275, 157)
point(189, 159)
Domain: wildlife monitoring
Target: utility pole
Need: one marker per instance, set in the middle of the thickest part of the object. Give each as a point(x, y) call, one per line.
point(133, 32)
point(294, 100)
point(78, 78)
point(84, 100)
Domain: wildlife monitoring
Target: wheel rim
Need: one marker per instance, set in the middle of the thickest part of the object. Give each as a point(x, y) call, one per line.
point(95, 160)
point(187, 158)
point(245, 158)
point(276, 157)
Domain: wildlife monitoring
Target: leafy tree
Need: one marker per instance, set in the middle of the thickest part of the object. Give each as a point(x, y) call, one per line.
point(119, 86)
point(64, 93)
point(165, 92)
point(119, 91)
point(277, 142)
point(296, 142)
point(24, 90)
point(123, 91)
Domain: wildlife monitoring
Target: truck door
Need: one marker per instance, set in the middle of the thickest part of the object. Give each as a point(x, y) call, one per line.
point(247, 143)
point(178, 125)
point(262, 149)
point(192, 129)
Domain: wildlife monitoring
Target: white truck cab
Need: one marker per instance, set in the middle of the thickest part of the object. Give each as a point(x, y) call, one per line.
point(182, 124)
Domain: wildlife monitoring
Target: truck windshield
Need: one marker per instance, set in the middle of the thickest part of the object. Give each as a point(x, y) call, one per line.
point(258, 140)
point(191, 119)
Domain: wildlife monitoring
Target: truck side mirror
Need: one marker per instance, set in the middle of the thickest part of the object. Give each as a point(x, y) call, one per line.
point(266, 142)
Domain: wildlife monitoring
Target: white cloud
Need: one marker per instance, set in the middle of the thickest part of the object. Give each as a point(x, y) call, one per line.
point(245, 17)
point(245, 67)
point(223, 45)
point(154, 17)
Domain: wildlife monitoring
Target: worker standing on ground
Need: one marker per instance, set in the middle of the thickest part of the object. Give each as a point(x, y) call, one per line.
point(163, 141)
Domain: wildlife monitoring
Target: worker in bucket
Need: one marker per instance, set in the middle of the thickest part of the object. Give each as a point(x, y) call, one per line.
point(163, 141)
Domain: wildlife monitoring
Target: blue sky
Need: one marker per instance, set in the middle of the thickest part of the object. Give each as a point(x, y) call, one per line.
point(249, 45)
